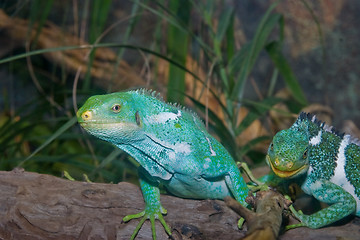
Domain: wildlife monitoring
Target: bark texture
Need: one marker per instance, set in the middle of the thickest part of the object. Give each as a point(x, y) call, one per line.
point(265, 223)
point(38, 206)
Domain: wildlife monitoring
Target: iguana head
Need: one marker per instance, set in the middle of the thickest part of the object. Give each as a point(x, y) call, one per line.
point(112, 117)
point(288, 153)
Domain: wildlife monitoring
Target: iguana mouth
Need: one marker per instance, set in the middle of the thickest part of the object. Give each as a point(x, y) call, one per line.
point(286, 174)
point(108, 125)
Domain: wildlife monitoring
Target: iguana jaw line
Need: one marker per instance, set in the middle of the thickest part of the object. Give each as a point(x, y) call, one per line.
point(286, 174)
point(105, 124)
point(97, 127)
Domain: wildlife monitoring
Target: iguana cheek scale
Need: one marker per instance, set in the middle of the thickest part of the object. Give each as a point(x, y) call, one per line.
point(170, 143)
point(330, 162)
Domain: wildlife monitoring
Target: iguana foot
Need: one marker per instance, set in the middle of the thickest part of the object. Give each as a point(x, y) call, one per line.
point(300, 216)
point(262, 187)
point(150, 214)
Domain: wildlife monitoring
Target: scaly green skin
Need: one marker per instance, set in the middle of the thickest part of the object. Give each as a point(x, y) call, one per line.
point(326, 162)
point(171, 145)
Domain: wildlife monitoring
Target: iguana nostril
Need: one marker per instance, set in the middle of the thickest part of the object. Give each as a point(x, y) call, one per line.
point(289, 164)
point(86, 115)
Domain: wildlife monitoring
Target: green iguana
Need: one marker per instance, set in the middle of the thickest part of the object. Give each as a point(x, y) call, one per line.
point(326, 162)
point(170, 143)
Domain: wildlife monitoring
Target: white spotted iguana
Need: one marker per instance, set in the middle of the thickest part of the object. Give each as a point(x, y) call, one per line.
point(326, 162)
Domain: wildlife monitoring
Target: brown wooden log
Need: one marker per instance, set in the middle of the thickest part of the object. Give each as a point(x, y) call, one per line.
point(39, 206)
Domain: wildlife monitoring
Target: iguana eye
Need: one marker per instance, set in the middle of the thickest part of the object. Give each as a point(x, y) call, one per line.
point(305, 154)
point(116, 108)
point(272, 147)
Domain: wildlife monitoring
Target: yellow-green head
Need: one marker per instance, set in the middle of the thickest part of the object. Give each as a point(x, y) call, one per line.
point(111, 117)
point(288, 154)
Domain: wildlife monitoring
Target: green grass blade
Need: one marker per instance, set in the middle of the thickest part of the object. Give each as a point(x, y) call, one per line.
point(61, 130)
point(177, 45)
point(249, 145)
point(112, 156)
point(172, 19)
point(133, 19)
point(230, 38)
point(39, 13)
point(225, 21)
point(284, 68)
point(100, 45)
point(238, 59)
point(266, 26)
point(100, 11)
point(226, 18)
point(256, 110)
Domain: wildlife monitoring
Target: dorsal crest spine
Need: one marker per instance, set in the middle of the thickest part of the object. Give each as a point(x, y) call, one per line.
point(157, 95)
point(311, 117)
point(149, 92)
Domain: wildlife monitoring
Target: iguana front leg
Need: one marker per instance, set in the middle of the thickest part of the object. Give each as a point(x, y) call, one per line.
point(343, 204)
point(153, 209)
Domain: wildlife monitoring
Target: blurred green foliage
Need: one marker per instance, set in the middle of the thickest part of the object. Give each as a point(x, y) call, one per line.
point(41, 134)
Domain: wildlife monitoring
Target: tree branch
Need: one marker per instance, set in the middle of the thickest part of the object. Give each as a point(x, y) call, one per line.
point(265, 223)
